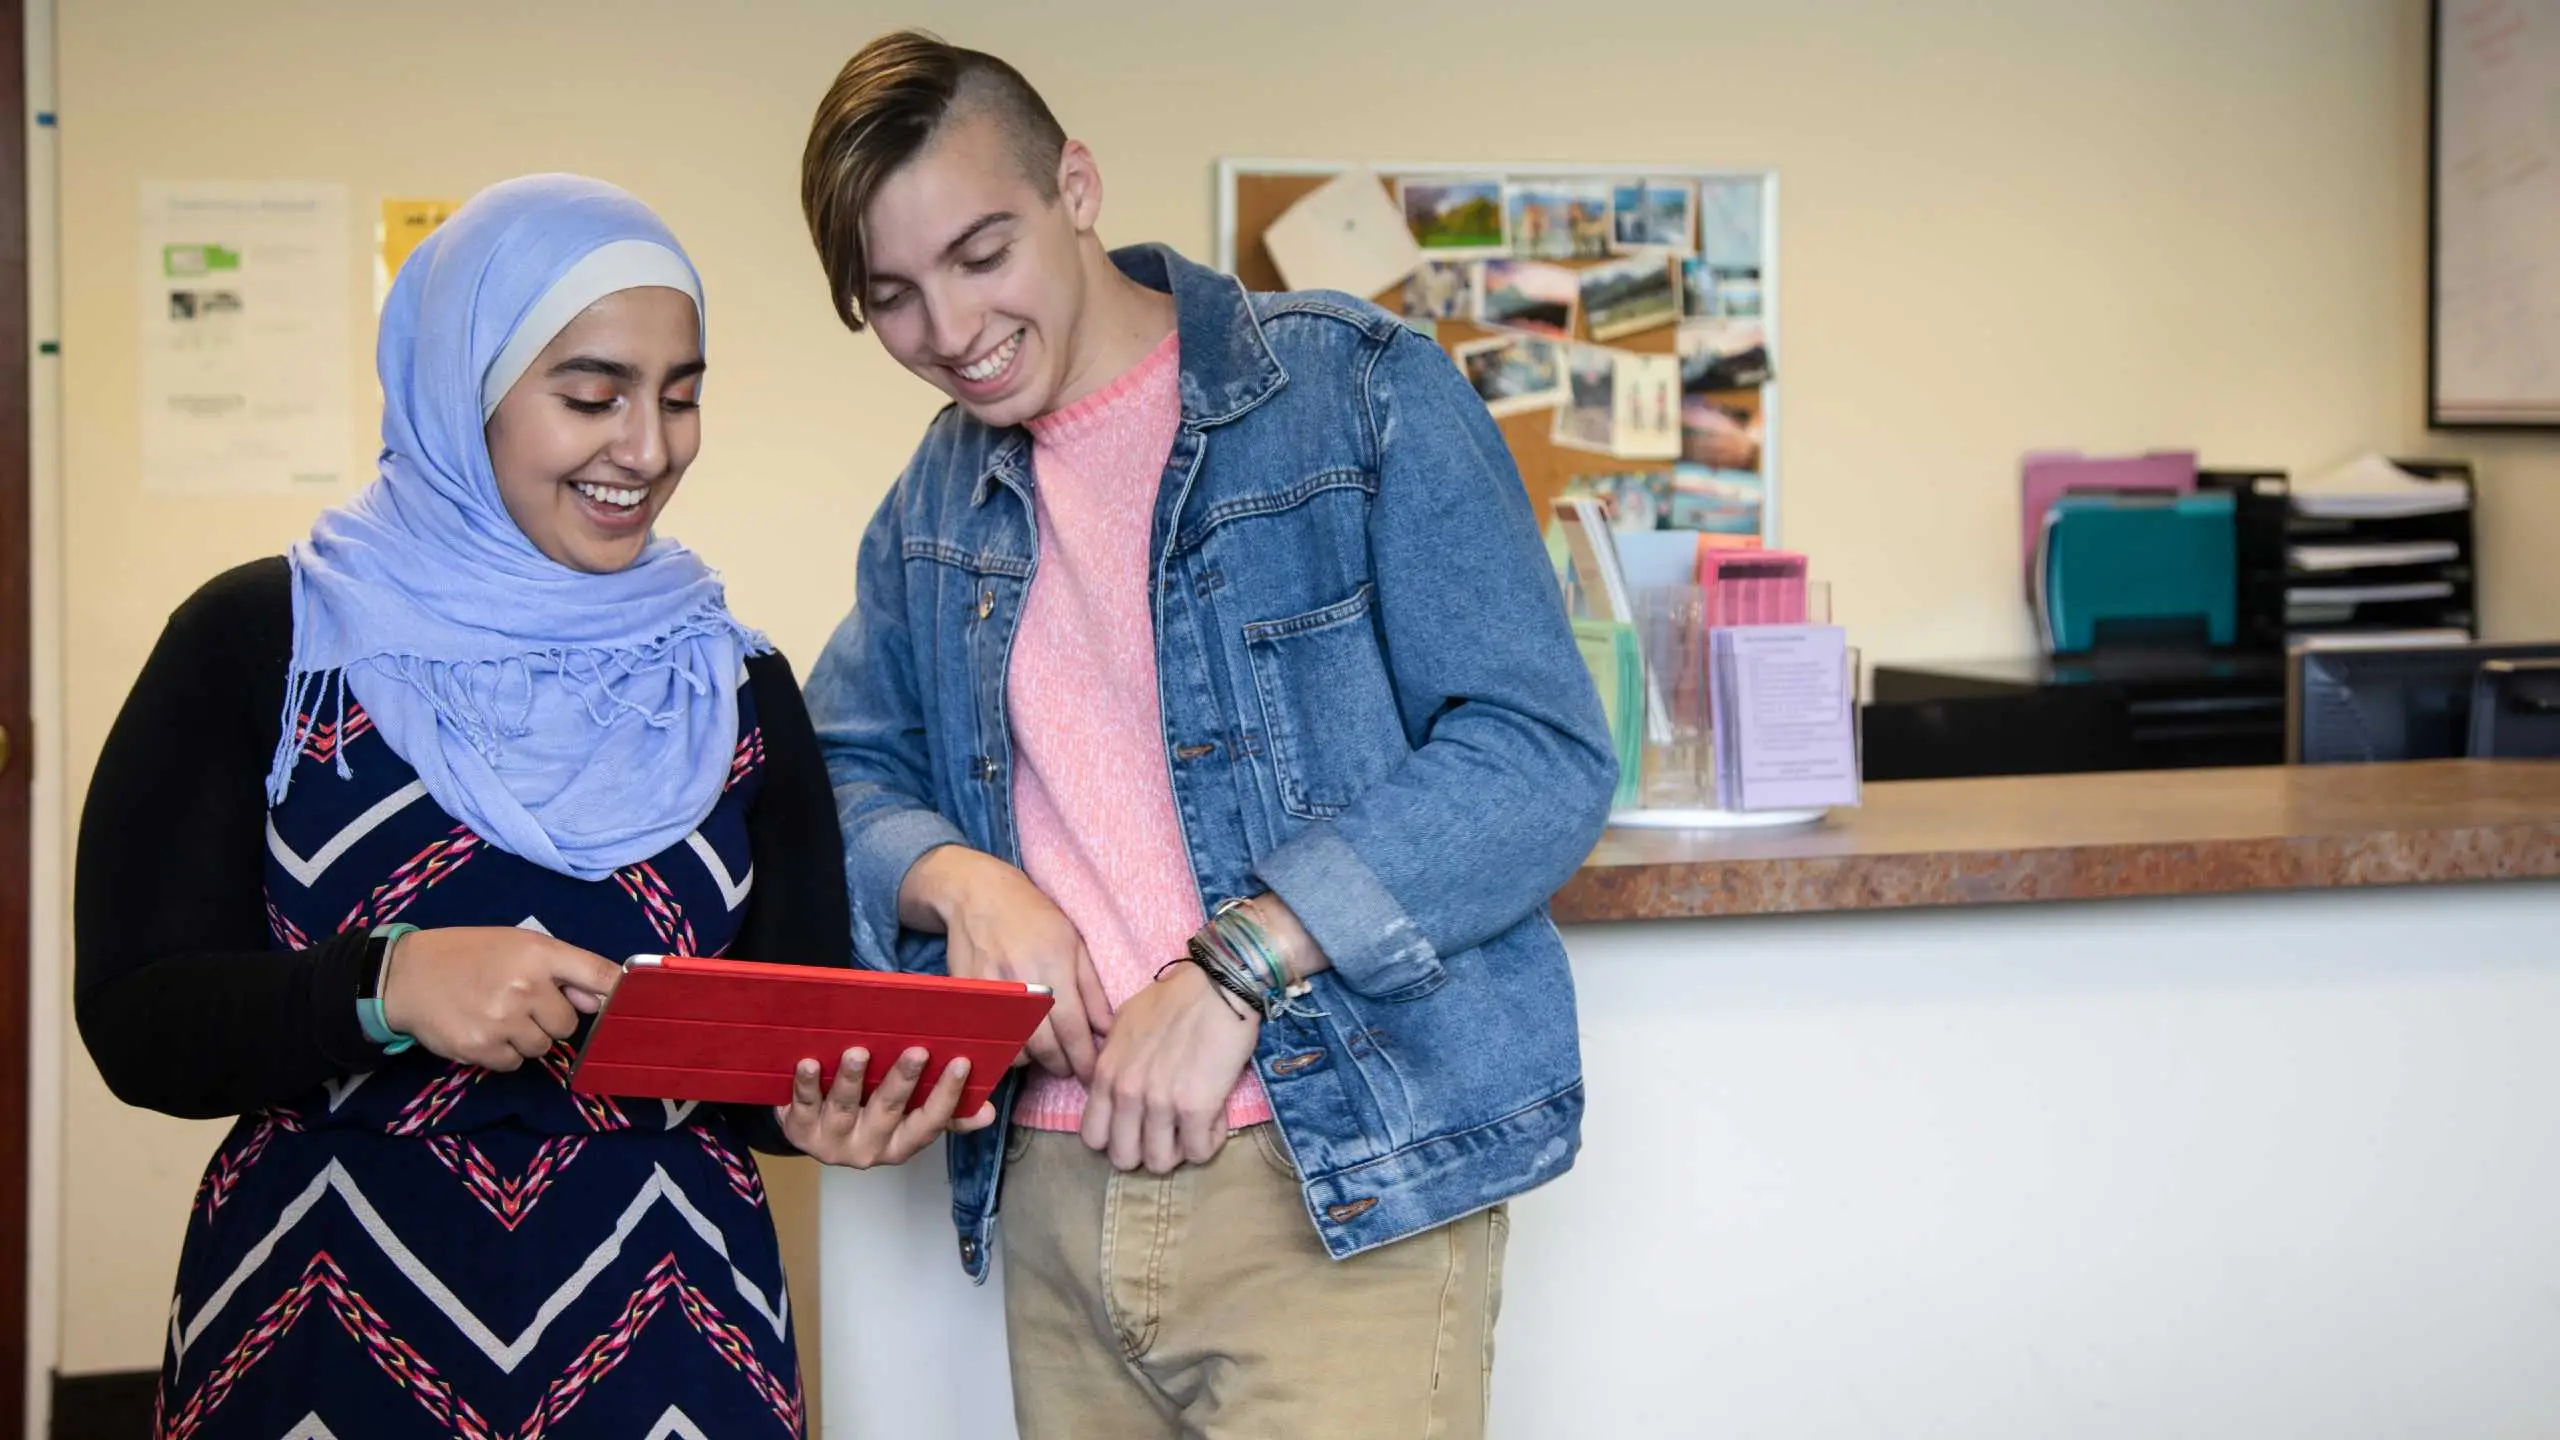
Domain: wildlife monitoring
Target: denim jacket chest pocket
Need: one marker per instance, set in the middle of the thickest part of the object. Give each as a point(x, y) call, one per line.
point(1290, 572)
point(1327, 704)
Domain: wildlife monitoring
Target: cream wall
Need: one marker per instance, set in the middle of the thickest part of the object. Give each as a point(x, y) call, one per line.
point(2005, 224)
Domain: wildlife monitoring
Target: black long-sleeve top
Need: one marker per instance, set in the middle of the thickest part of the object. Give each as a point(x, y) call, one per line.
point(181, 996)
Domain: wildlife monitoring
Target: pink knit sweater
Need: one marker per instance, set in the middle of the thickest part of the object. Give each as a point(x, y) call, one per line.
point(1092, 797)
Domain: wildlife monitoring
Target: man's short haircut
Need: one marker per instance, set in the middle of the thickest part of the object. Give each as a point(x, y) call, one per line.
point(886, 105)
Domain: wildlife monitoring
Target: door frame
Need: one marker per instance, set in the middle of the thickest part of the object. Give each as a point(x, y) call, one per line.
point(17, 707)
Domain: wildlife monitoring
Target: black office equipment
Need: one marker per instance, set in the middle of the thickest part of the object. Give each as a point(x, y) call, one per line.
point(2261, 509)
point(1953, 737)
point(2395, 702)
point(2111, 710)
point(2162, 708)
point(2286, 594)
point(2515, 710)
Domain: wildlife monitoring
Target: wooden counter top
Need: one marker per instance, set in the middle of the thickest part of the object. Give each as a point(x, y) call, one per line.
point(2089, 837)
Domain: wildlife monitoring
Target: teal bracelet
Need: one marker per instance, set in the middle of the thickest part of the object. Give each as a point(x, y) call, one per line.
point(1235, 936)
point(369, 1019)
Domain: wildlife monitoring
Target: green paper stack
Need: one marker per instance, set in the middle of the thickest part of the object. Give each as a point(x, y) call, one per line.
point(1615, 658)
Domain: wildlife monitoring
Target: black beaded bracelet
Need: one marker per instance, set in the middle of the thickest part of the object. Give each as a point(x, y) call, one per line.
point(1230, 989)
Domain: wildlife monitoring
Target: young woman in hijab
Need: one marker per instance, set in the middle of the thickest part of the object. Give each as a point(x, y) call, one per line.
point(371, 819)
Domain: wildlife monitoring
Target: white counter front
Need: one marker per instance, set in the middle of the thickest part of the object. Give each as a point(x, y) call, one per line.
point(2244, 1166)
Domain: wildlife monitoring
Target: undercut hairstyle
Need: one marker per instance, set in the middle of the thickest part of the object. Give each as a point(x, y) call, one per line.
point(886, 105)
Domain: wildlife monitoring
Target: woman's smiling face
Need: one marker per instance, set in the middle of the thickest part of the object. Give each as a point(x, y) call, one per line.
point(591, 441)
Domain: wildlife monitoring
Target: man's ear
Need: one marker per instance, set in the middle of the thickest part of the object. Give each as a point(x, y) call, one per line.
point(1080, 186)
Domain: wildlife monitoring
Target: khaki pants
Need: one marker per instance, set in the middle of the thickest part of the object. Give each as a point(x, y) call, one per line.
point(1199, 1306)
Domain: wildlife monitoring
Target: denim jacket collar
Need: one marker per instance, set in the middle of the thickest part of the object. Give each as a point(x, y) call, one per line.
point(1227, 364)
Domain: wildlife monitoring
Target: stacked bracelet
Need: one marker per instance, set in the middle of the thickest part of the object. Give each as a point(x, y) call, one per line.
point(1240, 997)
point(1238, 956)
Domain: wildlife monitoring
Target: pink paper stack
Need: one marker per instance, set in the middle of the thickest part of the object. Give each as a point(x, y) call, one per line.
point(1752, 587)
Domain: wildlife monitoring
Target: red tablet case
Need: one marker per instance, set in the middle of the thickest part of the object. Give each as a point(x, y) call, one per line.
point(732, 1032)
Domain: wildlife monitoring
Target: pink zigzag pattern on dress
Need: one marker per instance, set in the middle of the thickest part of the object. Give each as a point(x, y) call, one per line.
point(750, 756)
point(322, 740)
point(411, 1372)
point(658, 902)
point(599, 1111)
point(223, 1175)
point(507, 1201)
point(398, 1359)
point(287, 934)
point(742, 1174)
point(416, 875)
point(434, 1102)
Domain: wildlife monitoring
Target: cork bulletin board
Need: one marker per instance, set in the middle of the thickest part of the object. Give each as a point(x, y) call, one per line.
point(1721, 260)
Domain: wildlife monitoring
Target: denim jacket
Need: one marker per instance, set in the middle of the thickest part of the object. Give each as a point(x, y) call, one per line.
point(1372, 706)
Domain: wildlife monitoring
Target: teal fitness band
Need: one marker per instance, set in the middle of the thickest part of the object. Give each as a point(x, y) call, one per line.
point(377, 954)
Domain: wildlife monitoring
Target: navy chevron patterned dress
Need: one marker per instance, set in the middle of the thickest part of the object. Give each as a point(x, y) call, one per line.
point(412, 1247)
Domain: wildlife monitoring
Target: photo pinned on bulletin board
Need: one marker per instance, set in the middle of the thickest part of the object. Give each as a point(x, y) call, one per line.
point(1343, 235)
point(1588, 419)
point(1515, 373)
point(1441, 290)
point(1723, 355)
point(1697, 289)
point(1721, 431)
point(1558, 219)
point(1454, 216)
point(1632, 499)
point(1711, 293)
point(1529, 295)
point(1645, 398)
point(1725, 505)
point(1731, 243)
point(1738, 294)
point(1656, 215)
point(1624, 297)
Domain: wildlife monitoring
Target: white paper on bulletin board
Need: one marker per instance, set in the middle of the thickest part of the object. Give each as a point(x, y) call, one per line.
point(243, 298)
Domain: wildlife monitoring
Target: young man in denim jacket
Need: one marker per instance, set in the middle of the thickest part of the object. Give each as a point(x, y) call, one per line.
point(1205, 667)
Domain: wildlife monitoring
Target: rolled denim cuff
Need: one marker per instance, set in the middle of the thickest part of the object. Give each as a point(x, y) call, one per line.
point(877, 859)
point(1372, 942)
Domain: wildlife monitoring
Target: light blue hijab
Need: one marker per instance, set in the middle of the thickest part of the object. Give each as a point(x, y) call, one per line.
point(583, 722)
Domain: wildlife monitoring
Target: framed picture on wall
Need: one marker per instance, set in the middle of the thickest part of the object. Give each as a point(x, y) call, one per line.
point(2493, 210)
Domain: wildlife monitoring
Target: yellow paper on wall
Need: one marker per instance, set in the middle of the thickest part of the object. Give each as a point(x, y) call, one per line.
point(405, 224)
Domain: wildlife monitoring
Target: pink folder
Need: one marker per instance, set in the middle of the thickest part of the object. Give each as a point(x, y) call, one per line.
point(1752, 587)
point(2045, 475)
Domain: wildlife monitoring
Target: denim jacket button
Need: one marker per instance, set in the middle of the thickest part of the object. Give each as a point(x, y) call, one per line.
point(983, 768)
point(968, 1250)
point(986, 603)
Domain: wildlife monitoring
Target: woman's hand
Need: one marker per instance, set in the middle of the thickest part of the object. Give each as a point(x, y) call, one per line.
point(843, 1129)
point(492, 997)
point(1000, 926)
